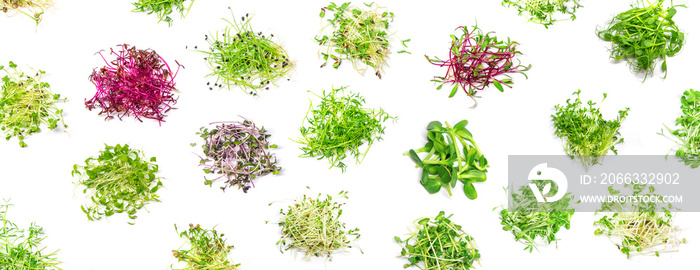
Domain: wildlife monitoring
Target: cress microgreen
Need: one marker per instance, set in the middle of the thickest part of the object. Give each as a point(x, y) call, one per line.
point(545, 12)
point(452, 156)
point(476, 60)
point(687, 135)
point(243, 57)
point(536, 224)
point(644, 34)
point(119, 180)
point(642, 227)
point(585, 134)
point(239, 152)
point(26, 102)
point(138, 82)
point(21, 249)
point(339, 126)
point(207, 250)
point(31, 8)
point(439, 244)
point(313, 226)
point(359, 36)
point(163, 8)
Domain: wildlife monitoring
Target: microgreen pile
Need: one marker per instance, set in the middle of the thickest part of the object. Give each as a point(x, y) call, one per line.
point(31, 8)
point(687, 136)
point(163, 8)
point(240, 56)
point(25, 103)
point(535, 224)
point(439, 244)
point(644, 34)
point(586, 135)
point(313, 226)
point(119, 180)
point(359, 36)
point(239, 152)
point(207, 250)
point(477, 60)
point(20, 249)
point(545, 12)
point(643, 227)
point(339, 126)
point(138, 83)
point(452, 156)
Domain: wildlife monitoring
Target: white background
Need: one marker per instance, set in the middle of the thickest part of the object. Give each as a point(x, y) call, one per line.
point(385, 196)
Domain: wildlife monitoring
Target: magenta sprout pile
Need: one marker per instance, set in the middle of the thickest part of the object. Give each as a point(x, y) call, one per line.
point(138, 83)
point(238, 152)
point(477, 60)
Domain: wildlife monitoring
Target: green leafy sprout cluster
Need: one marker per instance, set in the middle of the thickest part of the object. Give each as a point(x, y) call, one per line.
point(643, 227)
point(439, 244)
point(313, 226)
point(26, 102)
point(339, 126)
point(207, 250)
point(687, 134)
point(240, 56)
point(119, 180)
point(585, 134)
point(21, 249)
point(536, 224)
point(359, 36)
point(452, 156)
point(163, 8)
point(644, 34)
point(545, 12)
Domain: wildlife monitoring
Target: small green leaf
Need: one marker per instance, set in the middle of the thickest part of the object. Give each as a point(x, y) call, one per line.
point(434, 125)
point(470, 191)
point(474, 175)
point(432, 185)
point(444, 175)
point(424, 221)
point(412, 154)
point(424, 177)
point(461, 125)
point(454, 90)
point(498, 85)
point(671, 12)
